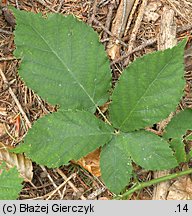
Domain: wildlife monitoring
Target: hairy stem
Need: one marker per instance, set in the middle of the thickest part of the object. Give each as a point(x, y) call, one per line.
point(142, 185)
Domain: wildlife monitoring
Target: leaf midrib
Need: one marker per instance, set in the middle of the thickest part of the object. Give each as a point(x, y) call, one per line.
point(87, 135)
point(144, 93)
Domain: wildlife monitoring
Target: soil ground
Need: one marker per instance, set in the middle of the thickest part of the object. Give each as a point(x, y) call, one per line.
point(136, 37)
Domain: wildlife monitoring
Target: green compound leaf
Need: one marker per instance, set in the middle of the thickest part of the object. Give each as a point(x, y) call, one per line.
point(62, 60)
point(116, 165)
point(10, 183)
point(149, 89)
point(57, 138)
point(144, 148)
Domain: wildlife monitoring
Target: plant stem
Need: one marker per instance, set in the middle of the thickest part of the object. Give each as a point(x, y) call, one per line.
point(142, 185)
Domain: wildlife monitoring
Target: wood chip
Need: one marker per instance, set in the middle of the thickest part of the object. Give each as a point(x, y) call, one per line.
point(118, 27)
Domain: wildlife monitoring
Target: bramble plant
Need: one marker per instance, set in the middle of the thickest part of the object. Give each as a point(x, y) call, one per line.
point(64, 63)
point(10, 183)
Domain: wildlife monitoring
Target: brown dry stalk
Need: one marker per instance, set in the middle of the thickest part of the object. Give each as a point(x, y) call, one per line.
point(60, 5)
point(42, 2)
point(15, 99)
point(69, 182)
point(8, 58)
point(51, 180)
point(109, 33)
point(118, 27)
point(96, 193)
point(131, 16)
point(60, 186)
point(6, 32)
point(109, 18)
point(142, 46)
point(94, 10)
point(136, 28)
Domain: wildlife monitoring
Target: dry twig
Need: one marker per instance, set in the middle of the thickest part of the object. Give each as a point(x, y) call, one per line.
point(136, 28)
point(96, 193)
point(60, 186)
point(8, 58)
point(51, 180)
point(15, 99)
point(70, 183)
point(60, 5)
point(6, 32)
point(94, 10)
point(109, 18)
point(142, 46)
point(109, 33)
point(118, 27)
point(131, 16)
point(45, 5)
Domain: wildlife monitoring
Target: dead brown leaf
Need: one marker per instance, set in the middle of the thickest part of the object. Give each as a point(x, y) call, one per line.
point(91, 162)
point(23, 164)
point(181, 189)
